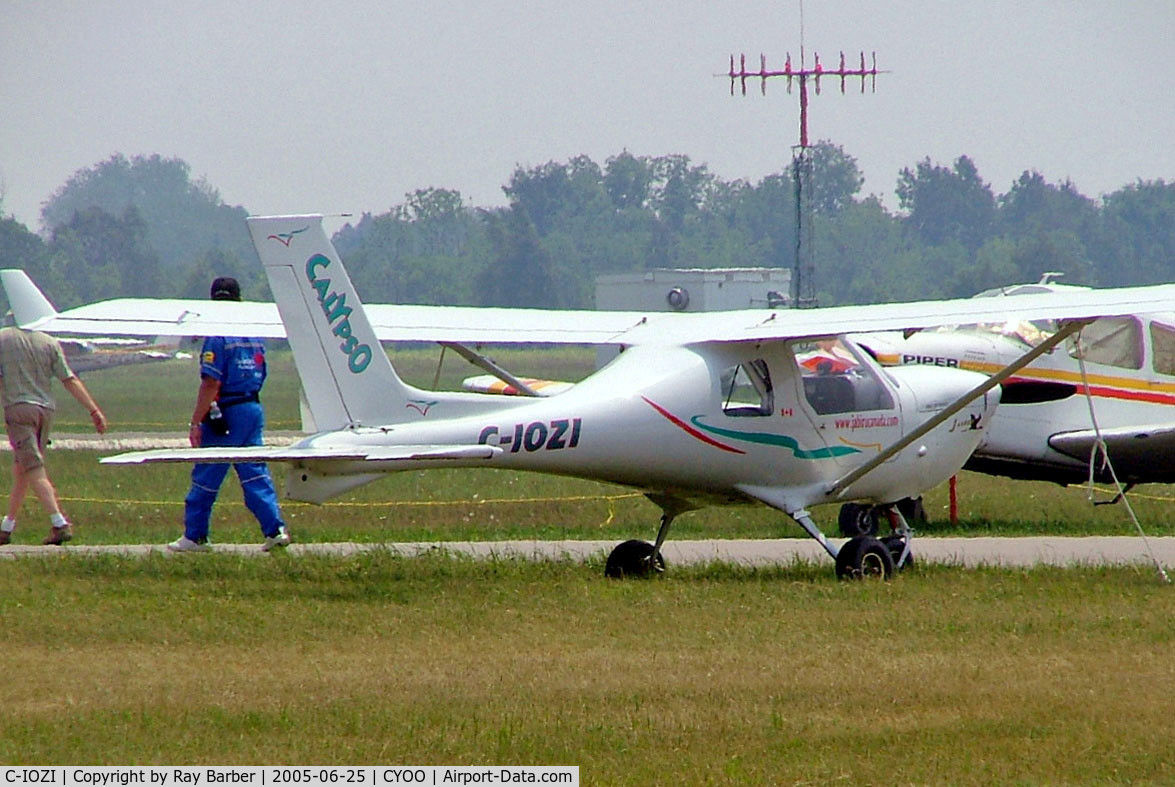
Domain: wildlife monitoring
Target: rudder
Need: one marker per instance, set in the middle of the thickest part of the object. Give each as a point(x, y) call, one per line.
point(29, 305)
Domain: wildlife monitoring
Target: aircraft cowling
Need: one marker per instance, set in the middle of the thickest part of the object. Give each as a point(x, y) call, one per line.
point(924, 392)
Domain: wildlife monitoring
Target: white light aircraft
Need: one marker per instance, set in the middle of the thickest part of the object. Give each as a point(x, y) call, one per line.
point(699, 409)
point(1044, 429)
point(30, 308)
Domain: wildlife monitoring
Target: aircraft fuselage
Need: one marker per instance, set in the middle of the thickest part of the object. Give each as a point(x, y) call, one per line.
point(656, 418)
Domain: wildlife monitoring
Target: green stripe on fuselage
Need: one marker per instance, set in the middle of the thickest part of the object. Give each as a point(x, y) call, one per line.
point(780, 440)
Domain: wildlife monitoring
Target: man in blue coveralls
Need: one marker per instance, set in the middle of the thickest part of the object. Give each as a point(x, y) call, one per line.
point(228, 413)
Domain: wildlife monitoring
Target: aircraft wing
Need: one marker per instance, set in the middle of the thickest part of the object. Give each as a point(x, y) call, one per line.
point(765, 325)
point(164, 317)
point(489, 325)
point(476, 325)
point(1150, 446)
point(392, 323)
point(295, 453)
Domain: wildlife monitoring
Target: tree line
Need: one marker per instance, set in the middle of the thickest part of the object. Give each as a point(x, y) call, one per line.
point(144, 227)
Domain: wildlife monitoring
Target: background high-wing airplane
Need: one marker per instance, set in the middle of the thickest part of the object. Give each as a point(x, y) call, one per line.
point(30, 307)
point(700, 408)
point(458, 328)
point(1044, 428)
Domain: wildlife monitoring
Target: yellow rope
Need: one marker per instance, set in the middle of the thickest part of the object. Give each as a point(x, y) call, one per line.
point(389, 503)
point(1136, 495)
point(494, 501)
point(163, 428)
point(609, 499)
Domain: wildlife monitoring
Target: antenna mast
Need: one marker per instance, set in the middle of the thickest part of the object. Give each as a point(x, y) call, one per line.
point(802, 289)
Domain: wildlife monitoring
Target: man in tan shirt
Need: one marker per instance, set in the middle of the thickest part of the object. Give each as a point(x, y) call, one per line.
point(29, 360)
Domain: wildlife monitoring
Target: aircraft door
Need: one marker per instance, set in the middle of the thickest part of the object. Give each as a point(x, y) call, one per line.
point(844, 395)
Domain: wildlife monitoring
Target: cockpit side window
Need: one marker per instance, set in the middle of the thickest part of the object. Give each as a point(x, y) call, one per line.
point(746, 390)
point(1113, 341)
point(836, 380)
point(1163, 348)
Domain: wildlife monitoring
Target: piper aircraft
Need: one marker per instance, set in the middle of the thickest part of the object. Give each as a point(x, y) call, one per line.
point(1119, 371)
point(699, 409)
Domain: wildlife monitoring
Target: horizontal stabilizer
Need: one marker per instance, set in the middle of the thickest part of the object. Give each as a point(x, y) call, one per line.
point(405, 453)
point(417, 452)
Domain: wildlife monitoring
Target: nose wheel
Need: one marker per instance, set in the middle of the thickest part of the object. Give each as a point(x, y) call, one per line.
point(863, 557)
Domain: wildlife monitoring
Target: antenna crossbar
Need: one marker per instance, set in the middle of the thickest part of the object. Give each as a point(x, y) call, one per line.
point(801, 75)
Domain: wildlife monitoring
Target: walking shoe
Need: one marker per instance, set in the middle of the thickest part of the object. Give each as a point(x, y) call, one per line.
point(276, 541)
point(185, 544)
point(5, 537)
point(58, 536)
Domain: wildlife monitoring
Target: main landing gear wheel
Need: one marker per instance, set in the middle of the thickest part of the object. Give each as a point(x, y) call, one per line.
point(856, 519)
point(912, 510)
point(633, 559)
point(862, 557)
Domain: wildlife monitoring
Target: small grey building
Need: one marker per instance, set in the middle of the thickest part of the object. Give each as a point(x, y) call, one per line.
point(694, 289)
point(691, 290)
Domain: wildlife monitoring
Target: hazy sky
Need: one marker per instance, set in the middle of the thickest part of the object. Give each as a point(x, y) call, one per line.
point(300, 106)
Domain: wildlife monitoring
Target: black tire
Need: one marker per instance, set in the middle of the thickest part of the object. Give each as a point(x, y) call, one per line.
point(632, 558)
point(912, 510)
point(856, 520)
point(862, 557)
point(846, 556)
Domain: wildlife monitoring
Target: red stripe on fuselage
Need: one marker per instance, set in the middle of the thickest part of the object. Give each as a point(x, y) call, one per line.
point(673, 419)
point(1134, 396)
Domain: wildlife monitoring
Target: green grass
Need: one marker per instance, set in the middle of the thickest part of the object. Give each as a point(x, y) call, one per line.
point(143, 504)
point(713, 675)
point(718, 675)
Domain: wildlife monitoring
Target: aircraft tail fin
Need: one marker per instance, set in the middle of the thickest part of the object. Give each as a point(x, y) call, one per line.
point(346, 375)
point(29, 305)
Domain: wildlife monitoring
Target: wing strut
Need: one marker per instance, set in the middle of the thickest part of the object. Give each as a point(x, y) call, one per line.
point(1065, 330)
point(482, 362)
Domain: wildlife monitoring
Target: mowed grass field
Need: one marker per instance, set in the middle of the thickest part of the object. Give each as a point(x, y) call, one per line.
point(710, 675)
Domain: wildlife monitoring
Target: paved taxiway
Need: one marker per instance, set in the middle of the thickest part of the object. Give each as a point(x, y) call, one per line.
point(1010, 552)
